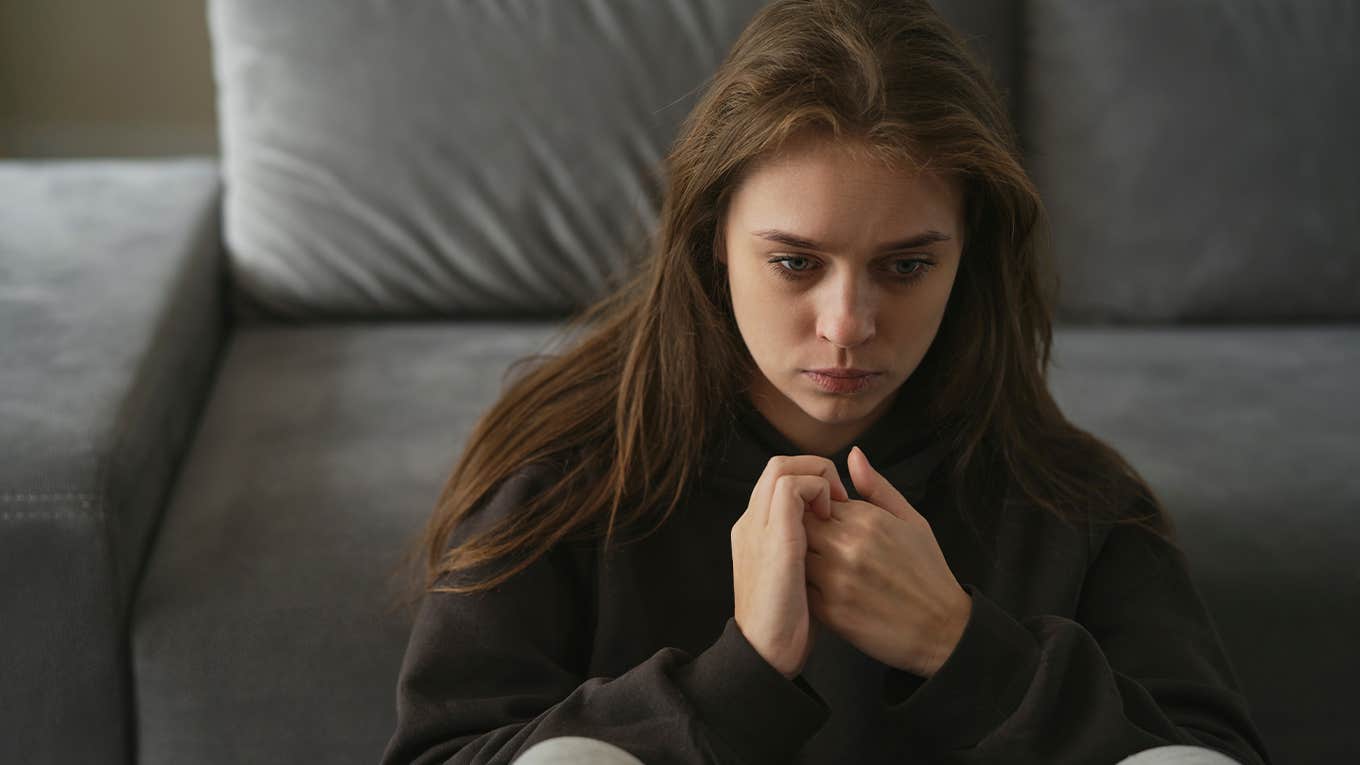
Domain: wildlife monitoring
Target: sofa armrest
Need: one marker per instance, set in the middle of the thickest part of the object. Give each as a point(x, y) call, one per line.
point(112, 317)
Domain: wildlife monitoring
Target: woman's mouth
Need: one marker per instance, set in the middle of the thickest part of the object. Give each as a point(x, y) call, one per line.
point(842, 380)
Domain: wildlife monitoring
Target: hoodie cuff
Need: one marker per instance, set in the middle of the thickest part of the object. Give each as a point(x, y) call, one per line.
point(977, 687)
point(762, 715)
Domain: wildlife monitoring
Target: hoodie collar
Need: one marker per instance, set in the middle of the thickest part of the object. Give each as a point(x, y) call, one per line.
point(901, 444)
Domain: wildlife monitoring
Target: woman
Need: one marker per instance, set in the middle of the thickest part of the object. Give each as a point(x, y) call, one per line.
point(909, 555)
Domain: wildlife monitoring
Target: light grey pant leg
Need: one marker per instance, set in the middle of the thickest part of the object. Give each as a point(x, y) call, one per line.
point(582, 750)
point(575, 750)
point(1178, 755)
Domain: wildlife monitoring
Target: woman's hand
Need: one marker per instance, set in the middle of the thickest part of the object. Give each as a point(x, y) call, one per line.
point(769, 550)
point(877, 577)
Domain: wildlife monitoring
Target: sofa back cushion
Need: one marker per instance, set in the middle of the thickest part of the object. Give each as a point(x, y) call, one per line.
point(449, 158)
point(1199, 159)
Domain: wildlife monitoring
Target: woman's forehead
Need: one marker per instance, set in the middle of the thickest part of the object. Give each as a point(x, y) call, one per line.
point(825, 192)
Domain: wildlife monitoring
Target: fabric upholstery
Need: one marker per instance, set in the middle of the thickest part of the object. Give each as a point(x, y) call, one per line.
point(266, 628)
point(1247, 436)
point(461, 158)
point(1198, 159)
point(111, 315)
point(324, 449)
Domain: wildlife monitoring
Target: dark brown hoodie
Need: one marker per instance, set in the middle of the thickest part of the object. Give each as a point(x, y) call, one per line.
point(1084, 645)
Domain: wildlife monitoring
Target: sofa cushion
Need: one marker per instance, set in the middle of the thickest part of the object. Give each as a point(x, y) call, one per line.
point(1248, 437)
point(268, 605)
point(460, 158)
point(1199, 159)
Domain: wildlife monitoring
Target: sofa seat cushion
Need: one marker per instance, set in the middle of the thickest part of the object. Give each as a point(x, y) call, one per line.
point(262, 631)
point(1249, 436)
point(323, 450)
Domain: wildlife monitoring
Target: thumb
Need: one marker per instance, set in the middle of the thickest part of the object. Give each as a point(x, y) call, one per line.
point(875, 488)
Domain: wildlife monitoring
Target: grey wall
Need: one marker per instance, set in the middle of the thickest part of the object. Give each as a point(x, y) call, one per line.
point(96, 78)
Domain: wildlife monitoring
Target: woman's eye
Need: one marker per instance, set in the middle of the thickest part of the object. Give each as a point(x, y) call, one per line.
point(790, 274)
point(795, 267)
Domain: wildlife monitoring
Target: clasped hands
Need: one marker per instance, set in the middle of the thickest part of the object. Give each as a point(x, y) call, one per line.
point(877, 577)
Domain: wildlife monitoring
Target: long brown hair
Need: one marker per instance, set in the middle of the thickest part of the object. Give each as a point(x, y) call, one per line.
point(660, 358)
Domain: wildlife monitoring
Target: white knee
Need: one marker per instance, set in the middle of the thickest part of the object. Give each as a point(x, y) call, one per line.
point(575, 750)
point(1178, 755)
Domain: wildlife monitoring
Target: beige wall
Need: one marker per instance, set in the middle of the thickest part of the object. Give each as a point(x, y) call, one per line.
point(96, 78)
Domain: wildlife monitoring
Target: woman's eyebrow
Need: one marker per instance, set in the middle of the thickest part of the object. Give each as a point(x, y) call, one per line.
point(783, 237)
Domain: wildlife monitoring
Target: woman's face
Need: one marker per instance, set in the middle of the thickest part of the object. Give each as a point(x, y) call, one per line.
point(866, 288)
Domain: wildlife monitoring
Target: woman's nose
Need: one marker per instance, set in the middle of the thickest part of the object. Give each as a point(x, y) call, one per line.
point(847, 314)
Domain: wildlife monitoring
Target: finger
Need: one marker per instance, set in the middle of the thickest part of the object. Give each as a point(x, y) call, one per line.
point(821, 532)
point(875, 488)
point(802, 464)
point(792, 496)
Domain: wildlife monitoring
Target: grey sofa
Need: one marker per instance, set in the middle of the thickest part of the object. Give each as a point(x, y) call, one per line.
point(231, 387)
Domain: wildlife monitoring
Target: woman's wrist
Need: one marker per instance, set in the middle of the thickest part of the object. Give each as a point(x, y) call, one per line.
point(951, 633)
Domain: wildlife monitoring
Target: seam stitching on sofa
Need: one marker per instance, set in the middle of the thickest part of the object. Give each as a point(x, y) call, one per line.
point(38, 496)
point(21, 515)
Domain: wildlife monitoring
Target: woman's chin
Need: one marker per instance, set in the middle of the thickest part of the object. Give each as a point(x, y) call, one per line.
point(836, 410)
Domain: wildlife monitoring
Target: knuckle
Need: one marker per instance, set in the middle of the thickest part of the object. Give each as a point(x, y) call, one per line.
point(854, 557)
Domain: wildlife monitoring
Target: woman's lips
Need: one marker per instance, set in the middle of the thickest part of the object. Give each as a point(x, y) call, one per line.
point(842, 371)
point(834, 384)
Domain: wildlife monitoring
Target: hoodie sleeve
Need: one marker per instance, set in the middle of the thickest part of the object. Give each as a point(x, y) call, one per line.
point(1140, 666)
point(487, 675)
